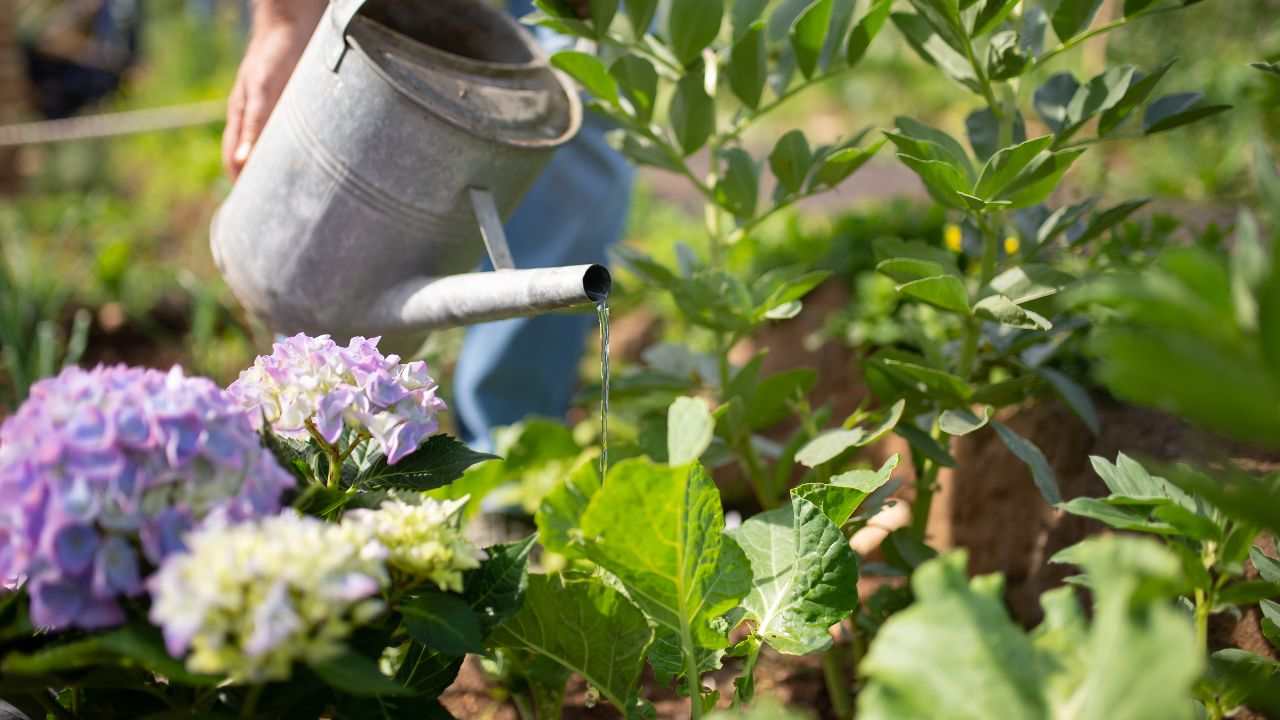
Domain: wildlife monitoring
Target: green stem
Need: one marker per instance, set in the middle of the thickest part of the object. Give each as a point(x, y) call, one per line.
point(926, 482)
point(1084, 37)
point(749, 668)
point(693, 681)
point(1202, 607)
point(522, 707)
point(742, 125)
point(250, 708)
point(833, 674)
point(331, 453)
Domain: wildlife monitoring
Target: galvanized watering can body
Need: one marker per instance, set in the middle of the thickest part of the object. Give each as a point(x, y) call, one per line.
point(387, 167)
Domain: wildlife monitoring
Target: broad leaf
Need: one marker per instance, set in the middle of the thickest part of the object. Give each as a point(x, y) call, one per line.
point(805, 576)
point(1045, 479)
point(1053, 98)
point(439, 461)
point(1006, 312)
point(640, 13)
point(830, 445)
point(749, 65)
point(1005, 166)
point(945, 291)
point(840, 498)
point(589, 72)
point(1268, 567)
point(560, 515)
point(738, 189)
point(866, 30)
point(638, 83)
point(358, 675)
point(586, 627)
point(443, 622)
point(1139, 90)
point(693, 25)
point(809, 35)
point(1173, 111)
point(839, 165)
point(790, 160)
point(660, 531)
point(960, 422)
point(690, 428)
point(693, 112)
point(1072, 17)
point(1075, 396)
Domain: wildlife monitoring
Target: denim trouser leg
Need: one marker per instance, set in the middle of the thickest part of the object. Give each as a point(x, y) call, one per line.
point(529, 366)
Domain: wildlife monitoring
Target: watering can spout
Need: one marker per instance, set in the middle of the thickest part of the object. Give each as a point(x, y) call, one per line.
point(453, 300)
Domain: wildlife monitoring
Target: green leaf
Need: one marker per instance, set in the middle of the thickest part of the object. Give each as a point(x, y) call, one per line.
point(943, 180)
point(1005, 59)
point(1075, 396)
point(1039, 179)
point(770, 399)
point(1238, 495)
point(692, 25)
point(805, 576)
point(356, 674)
point(1072, 17)
point(839, 165)
point(1108, 219)
point(132, 645)
point(602, 14)
point(1100, 94)
point(1045, 479)
point(640, 13)
point(790, 160)
point(984, 132)
point(1248, 592)
point(693, 113)
point(1053, 98)
point(1029, 282)
point(738, 189)
point(809, 35)
point(831, 444)
point(1006, 312)
point(745, 13)
point(840, 498)
point(690, 428)
point(943, 16)
point(866, 30)
point(959, 422)
point(1172, 111)
point(929, 380)
point(749, 65)
point(954, 653)
point(560, 514)
point(916, 138)
point(495, 590)
point(1140, 88)
point(1273, 68)
point(638, 83)
point(924, 444)
point(1268, 567)
point(1117, 516)
point(589, 72)
point(905, 270)
point(1005, 166)
point(587, 628)
point(944, 291)
point(443, 622)
point(931, 47)
point(992, 15)
point(660, 531)
point(439, 461)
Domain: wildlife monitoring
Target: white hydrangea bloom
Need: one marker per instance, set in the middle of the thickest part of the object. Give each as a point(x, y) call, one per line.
point(249, 600)
point(423, 537)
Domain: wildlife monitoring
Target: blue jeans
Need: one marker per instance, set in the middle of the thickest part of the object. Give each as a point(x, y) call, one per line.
point(529, 366)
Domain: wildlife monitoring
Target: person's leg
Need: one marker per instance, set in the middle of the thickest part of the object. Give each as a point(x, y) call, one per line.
point(529, 366)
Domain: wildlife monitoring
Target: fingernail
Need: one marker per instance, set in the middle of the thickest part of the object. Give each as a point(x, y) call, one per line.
point(242, 152)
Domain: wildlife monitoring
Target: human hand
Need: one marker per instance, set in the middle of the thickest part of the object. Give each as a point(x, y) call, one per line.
point(281, 29)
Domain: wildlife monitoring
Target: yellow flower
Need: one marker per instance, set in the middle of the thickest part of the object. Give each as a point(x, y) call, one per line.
point(953, 237)
point(1011, 245)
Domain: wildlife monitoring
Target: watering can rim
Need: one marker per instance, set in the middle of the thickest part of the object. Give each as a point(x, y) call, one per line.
point(350, 25)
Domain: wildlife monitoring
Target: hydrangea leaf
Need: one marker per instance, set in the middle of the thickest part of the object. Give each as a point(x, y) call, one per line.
point(586, 627)
point(358, 675)
point(660, 531)
point(439, 461)
point(559, 517)
point(690, 428)
point(444, 622)
point(805, 576)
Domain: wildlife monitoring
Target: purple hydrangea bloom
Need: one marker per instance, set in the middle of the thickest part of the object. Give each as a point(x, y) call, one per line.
point(102, 473)
point(315, 382)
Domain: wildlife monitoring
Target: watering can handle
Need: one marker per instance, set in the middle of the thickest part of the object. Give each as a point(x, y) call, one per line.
point(341, 12)
point(495, 238)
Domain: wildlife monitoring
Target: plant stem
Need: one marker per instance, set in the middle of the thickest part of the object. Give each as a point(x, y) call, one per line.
point(833, 674)
point(926, 481)
point(741, 126)
point(250, 708)
point(694, 683)
point(1202, 608)
point(331, 453)
point(522, 707)
point(749, 669)
point(1084, 37)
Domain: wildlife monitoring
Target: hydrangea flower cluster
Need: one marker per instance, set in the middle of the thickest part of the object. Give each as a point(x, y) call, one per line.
point(104, 471)
point(315, 381)
point(249, 600)
point(423, 539)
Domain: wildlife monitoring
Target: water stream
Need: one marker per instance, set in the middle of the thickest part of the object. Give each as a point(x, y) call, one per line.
point(602, 312)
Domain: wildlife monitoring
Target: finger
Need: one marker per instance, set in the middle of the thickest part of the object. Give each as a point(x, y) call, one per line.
point(231, 134)
point(257, 109)
point(890, 518)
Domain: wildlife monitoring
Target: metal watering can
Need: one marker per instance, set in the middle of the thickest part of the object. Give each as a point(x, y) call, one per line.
point(406, 134)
